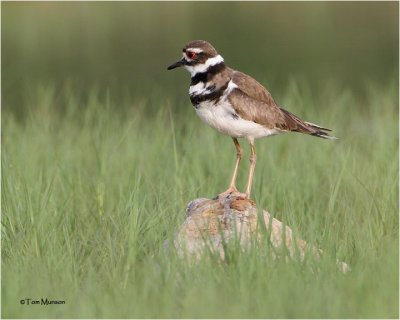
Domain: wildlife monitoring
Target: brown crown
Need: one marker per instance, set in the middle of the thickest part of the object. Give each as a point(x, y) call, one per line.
point(207, 48)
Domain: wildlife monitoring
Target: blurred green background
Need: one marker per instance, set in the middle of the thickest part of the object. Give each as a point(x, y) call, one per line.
point(126, 46)
point(101, 152)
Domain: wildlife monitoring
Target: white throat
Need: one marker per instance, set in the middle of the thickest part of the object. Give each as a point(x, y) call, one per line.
point(204, 66)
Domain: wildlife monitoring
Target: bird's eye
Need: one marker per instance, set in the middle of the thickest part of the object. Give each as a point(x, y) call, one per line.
point(191, 54)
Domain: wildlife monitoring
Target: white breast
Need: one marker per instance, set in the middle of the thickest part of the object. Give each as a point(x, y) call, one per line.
point(223, 118)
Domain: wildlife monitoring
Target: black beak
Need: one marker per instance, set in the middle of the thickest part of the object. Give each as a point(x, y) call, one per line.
point(177, 64)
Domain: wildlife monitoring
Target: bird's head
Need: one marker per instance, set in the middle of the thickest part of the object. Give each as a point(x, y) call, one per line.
point(198, 56)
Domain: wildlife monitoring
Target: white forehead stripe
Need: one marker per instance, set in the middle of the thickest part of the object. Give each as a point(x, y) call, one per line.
point(199, 68)
point(195, 50)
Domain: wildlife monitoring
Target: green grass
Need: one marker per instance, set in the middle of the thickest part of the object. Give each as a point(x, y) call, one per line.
point(90, 193)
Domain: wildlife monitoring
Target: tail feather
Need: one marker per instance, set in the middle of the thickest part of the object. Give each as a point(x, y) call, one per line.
point(319, 131)
point(316, 126)
point(294, 123)
point(323, 135)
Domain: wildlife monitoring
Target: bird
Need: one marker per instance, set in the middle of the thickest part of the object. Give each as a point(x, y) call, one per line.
point(236, 105)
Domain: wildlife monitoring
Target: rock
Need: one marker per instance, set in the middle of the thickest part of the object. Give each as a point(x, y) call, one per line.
point(210, 224)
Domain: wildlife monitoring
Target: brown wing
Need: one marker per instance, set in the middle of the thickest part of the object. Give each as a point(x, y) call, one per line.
point(253, 102)
point(251, 87)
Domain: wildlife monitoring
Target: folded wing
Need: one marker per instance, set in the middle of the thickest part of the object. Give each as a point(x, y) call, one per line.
point(253, 102)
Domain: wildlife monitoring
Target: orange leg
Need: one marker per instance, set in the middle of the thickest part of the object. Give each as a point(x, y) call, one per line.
point(252, 167)
point(235, 171)
point(232, 185)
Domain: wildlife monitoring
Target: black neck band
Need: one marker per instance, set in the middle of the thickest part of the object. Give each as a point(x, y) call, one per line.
point(208, 74)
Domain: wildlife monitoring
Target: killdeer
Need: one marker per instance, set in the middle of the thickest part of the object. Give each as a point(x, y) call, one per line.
point(236, 105)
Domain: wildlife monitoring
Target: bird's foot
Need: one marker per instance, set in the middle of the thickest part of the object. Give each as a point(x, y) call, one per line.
point(232, 192)
point(233, 199)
